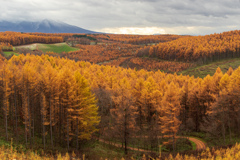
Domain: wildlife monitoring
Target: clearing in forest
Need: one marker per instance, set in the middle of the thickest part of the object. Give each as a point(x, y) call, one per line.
point(57, 47)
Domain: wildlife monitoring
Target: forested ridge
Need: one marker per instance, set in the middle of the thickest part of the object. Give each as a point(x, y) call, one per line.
point(201, 49)
point(102, 52)
point(136, 39)
point(156, 64)
point(17, 38)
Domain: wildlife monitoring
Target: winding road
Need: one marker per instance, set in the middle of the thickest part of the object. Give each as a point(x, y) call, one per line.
point(200, 145)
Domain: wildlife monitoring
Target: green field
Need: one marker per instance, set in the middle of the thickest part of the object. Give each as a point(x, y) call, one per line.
point(8, 54)
point(57, 48)
point(203, 71)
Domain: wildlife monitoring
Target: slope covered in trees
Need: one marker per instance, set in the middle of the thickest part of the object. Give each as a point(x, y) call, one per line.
point(5, 47)
point(17, 38)
point(202, 49)
point(102, 52)
point(154, 65)
point(50, 96)
point(136, 39)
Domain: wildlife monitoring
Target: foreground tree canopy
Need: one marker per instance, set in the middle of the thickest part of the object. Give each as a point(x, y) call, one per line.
point(53, 97)
point(48, 98)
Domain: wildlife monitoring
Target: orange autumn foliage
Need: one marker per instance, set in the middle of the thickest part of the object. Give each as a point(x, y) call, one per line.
point(136, 39)
point(152, 64)
point(5, 47)
point(17, 38)
point(200, 49)
point(103, 52)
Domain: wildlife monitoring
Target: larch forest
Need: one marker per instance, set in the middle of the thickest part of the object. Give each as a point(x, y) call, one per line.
point(116, 96)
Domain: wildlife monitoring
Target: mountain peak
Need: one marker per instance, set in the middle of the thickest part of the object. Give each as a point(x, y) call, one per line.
point(46, 20)
point(49, 21)
point(44, 26)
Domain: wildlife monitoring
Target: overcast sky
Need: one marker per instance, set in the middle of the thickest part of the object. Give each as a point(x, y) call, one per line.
point(131, 16)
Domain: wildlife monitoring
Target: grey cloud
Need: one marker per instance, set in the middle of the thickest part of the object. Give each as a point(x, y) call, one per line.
point(98, 14)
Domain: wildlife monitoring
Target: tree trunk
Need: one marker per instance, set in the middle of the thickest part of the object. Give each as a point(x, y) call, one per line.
point(50, 110)
point(197, 120)
point(223, 126)
point(77, 135)
point(67, 127)
point(125, 132)
point(43, 117)
point(29, 113)
point(24, 106)
point(16, 117)
point(33, 127)
point(60, 121)
point(44, 140)
point(173, 145)
point(6, 123)
point(229, 127)
point(5, 99)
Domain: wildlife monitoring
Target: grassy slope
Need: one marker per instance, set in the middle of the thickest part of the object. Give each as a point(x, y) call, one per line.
point(57, 48)
point(29, 46)
point(7, 54)
point(204, 70)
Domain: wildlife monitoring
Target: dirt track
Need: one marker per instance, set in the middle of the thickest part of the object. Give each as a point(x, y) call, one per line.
point(200, 145)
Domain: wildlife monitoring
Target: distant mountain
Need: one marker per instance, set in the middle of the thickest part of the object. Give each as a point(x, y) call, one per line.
point(44, 26)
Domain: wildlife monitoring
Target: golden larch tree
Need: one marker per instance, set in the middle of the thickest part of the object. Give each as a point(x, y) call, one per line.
point(170, 114)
